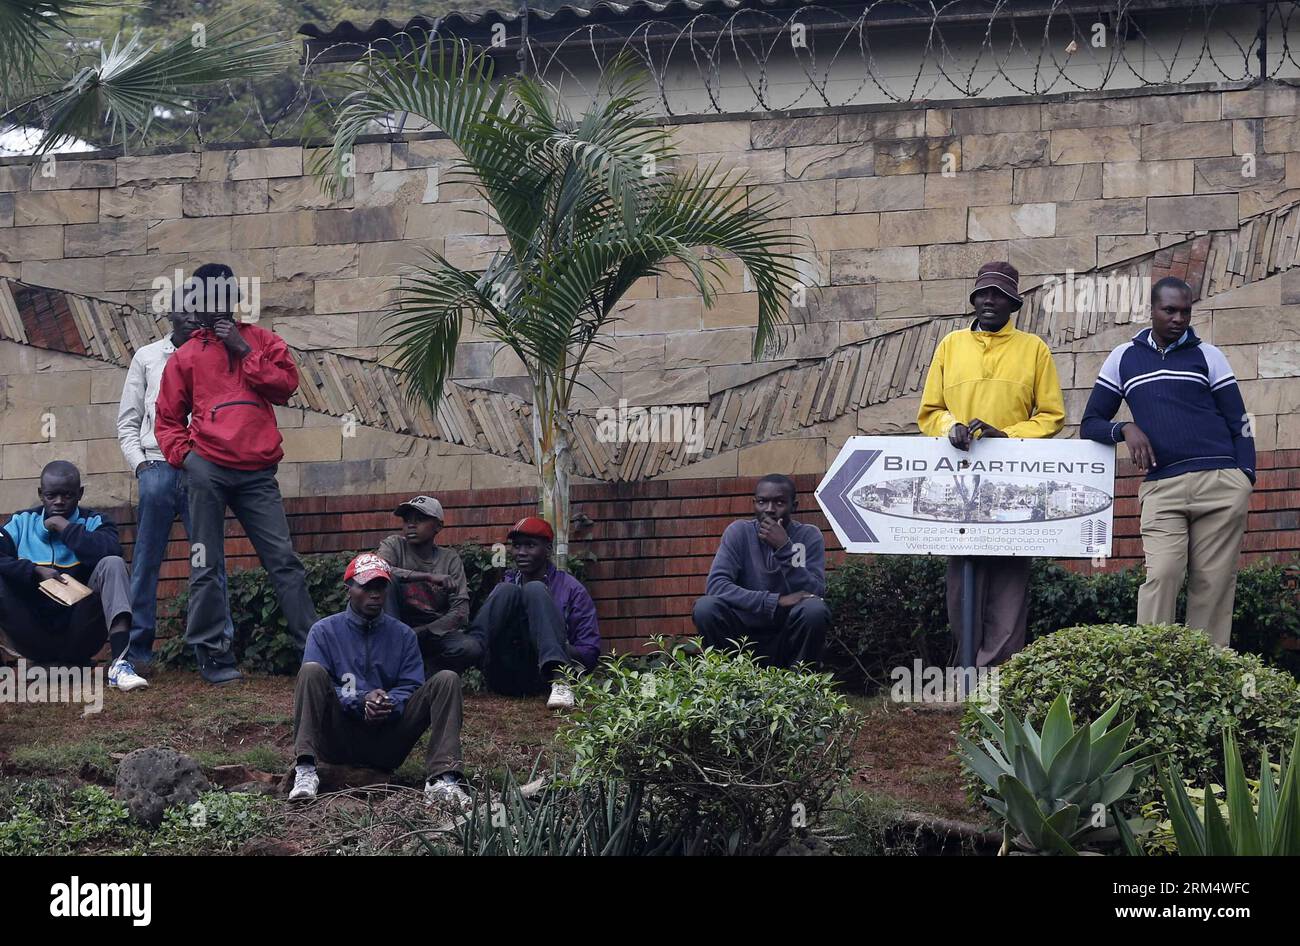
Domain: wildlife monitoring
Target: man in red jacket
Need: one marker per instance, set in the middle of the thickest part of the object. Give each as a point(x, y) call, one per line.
point(216, 421)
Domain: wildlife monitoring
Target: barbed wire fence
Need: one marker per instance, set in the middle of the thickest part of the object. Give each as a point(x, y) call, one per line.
point(815, 56)
point(756, 60)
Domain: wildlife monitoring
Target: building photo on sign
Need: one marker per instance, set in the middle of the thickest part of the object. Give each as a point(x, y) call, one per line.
point(920, 495)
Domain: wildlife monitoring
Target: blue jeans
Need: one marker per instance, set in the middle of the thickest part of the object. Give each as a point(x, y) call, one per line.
point(162, 496)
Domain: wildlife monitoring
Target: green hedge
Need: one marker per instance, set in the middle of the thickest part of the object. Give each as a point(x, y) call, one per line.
point(890, 609)
point(262, 640)
point(1182, 690)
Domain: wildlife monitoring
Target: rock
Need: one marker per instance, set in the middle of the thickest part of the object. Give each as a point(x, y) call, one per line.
point(149, 781)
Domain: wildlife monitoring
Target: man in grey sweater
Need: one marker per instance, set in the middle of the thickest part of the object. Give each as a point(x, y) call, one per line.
point(766, 582)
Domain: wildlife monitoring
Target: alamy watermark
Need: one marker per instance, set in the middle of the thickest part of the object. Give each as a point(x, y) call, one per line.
point(31, 684)
point(657, 424)
point(87, 899)
point(931, 684)
point(1091, 293)
point(242, 294)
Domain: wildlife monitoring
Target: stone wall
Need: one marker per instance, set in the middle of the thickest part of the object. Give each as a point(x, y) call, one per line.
point(1147, 184)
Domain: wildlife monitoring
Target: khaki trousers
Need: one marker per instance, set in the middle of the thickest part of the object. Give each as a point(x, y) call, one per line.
point(1192, 526)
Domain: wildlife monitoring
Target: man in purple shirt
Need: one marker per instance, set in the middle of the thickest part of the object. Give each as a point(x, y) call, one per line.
point(538, 622)
point(766, 582)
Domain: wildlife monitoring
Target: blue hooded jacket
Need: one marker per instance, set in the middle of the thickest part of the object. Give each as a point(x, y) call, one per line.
point(26, 543)
point(361, 655)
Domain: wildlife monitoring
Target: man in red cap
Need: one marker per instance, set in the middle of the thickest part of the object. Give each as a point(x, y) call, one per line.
point(992, 380)
point(537, 623)
point(361, 696)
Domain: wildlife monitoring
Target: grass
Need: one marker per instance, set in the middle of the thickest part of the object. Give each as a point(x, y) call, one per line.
point(261, 758)
point(88, 759)
point(902, 761)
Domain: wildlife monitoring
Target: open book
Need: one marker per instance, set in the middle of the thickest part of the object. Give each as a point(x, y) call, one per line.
point(69, 591)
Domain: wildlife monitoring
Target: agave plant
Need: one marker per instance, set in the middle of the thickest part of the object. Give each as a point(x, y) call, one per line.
point(1059, 793)
point(1269, 826)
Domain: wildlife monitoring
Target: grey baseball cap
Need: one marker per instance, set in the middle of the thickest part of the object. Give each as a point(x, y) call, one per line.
point(425, 505)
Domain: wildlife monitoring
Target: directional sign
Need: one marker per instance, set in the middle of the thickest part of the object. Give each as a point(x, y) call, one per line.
point(1004, 496)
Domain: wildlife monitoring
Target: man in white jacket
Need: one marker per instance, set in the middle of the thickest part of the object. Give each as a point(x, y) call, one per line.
point(162, 493)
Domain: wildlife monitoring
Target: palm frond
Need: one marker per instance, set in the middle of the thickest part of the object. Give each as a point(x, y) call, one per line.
point(30, 33)
point(132, 81)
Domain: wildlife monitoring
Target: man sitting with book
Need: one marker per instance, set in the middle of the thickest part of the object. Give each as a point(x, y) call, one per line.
point(64, 586)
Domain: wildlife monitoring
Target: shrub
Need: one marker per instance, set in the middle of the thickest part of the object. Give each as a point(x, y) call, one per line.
point(732, 756)
point(263, 643)
point(1182, 690)
point(219, 822)
point(262, 640)
point(890, 610)
point(42, 816)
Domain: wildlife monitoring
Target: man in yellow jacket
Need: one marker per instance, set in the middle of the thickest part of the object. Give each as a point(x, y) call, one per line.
point(992, 380)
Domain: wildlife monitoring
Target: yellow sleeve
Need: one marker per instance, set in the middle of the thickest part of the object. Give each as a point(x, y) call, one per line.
point(933, 417)
point(1049, 402)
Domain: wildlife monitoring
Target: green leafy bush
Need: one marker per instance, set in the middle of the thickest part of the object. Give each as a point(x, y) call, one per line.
point(219, 822)
point(262, 640)
point(890, 610)
point(732, 756)
point(1182, 690)
point(44, 816)
point(263, 643)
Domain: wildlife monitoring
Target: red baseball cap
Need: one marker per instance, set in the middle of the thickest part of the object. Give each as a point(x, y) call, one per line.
point(366, 567)
point(533, 526)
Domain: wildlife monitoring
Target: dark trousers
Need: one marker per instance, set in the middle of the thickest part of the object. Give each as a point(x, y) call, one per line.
point(525, 636)
point(323, 731)
point(1001, 605)
point(452, 650)
point(163, 496)
point(795, 635)
point(47, 632)
point(254, 497)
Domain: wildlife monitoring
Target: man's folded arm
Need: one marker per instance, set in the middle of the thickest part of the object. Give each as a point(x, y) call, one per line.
point(18, 570)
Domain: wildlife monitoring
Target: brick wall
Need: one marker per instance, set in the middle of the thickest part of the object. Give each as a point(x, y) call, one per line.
point(654, 541)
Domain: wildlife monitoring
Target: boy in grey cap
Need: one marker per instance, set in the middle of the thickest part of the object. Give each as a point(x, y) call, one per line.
point(429, 592)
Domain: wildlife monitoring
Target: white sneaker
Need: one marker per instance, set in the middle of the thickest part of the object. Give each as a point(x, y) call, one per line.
point(122, 676)
point(561, 697)
point(305, 783)
point(441, 792)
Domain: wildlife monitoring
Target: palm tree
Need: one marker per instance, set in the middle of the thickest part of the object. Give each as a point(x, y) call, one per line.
point(41, 42)
point(587, 206)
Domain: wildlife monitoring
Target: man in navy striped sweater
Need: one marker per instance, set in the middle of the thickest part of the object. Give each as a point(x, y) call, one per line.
point(1192, 437)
